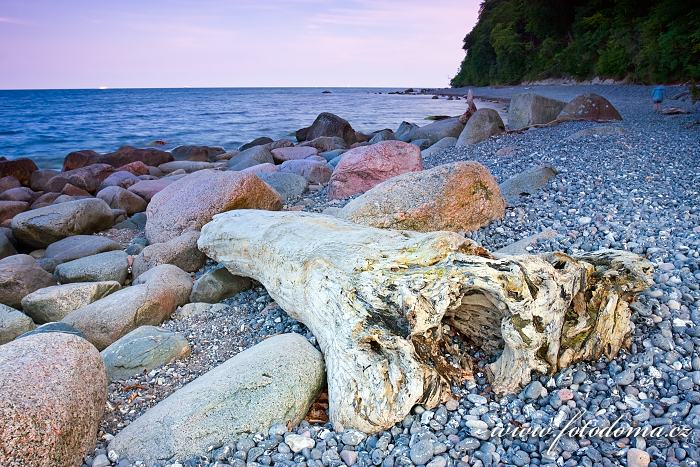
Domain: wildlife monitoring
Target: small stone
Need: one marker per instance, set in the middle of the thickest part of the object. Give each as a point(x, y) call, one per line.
point(101, 461)
point(352, 437)
point(298, 442)
point(625, 377)
point(349, 457)
point(637, 458)
point(422, 451)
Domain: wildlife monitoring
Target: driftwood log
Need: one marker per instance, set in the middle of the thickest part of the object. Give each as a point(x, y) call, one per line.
point(377, 302)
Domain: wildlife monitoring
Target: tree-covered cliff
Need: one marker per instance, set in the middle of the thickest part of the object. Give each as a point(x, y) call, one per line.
point(641, 40)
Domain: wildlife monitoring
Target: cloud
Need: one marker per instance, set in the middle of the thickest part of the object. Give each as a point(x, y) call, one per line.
point(8, 20)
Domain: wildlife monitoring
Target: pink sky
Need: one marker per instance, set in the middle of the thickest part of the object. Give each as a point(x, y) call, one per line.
point(176, 43)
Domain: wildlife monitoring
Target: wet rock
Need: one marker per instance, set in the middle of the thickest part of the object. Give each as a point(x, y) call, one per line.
point(21, 169)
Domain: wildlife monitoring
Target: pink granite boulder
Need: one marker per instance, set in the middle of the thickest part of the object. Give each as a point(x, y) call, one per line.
point(364, 167)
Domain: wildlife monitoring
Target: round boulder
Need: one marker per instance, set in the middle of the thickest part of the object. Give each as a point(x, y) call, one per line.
point(53, 388)
point(367, 166)
point(592, 107)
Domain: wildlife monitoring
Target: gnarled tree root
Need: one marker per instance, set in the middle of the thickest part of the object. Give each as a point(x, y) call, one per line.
point(377, 301)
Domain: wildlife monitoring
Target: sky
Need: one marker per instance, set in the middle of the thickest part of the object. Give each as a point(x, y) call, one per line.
point(59, 44)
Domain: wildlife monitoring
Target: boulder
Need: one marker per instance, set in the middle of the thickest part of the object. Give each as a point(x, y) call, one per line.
point(136, 168)
point(187, 166)
point(403, 132)
point(330, 155)
point(444, 143)
point(9, 209)
point(21, 169)
point(77, 159)
point(53, 327)
point(461, 197)
point(43, 226)
point(89, 178)
point(314, 171)
point(20, 275)
point(526, 183)
point(121, 178)
point(288, 185)
point(77, 246)
point(40, 179)
point(326, 143)
point(196, 153)
point(365, 167)
point(147, 189)
point(45, 200)
point(143, 349)
point(9, 182)
point(327, 124)
point(532, 109)
point(21, 193)
point(13, 323)
point(422, 143)
point(437, 130)
point(191, 202)
point(199, 310)
point(293, 153)
point(119, 198)
point(480, 126)
point(590, 107)
point(107, 266)
point(181, 251)
point(128, 154)
point(382, 135)
point(74, 191)
point(150, 300)
point(272, 382)
point(218, 284)
point(53, 389)
point(250, 157)
point(256, 142)
point(54, 303)
point(6, 246)
point(261, 169)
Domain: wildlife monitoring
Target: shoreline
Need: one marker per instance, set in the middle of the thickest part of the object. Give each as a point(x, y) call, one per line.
point(631, 189)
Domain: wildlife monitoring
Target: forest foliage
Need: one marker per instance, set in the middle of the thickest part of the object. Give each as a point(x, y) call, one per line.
point(637, 40)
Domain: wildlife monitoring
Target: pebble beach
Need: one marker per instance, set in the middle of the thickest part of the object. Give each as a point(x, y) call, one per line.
point(630, 185)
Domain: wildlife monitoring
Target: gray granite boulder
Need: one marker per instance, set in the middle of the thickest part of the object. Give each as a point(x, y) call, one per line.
point(272, 382)
point(143, 349)
point(288, 185)
point(108, 266)
point(54, 303)
point(526, 183)
point(218, 284)
point(181, 251)
point(13, 323)
point(435, 131)
point(75, 247)
point(250, 157)
point(531, 109)
point(480, 126)
point(150, 300)
point(43, 226)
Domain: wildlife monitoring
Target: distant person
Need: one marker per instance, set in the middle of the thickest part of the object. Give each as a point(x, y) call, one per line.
point(657, 97)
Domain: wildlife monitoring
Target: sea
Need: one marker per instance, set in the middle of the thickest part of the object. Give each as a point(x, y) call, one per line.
point(45, 125)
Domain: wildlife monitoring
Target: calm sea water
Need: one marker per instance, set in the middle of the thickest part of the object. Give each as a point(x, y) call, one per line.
point(47, 125)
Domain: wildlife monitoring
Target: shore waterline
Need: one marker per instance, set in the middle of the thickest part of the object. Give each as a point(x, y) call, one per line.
point(45, 125)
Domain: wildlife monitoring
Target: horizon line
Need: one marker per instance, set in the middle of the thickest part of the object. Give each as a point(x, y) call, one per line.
point(107, 88)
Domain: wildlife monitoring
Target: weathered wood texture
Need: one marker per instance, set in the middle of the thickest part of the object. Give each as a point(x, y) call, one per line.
point(377, 301)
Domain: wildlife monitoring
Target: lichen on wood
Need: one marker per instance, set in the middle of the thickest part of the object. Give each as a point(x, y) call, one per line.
point(378, 302)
